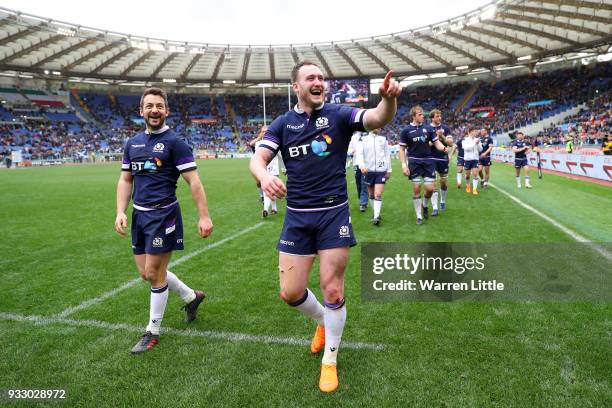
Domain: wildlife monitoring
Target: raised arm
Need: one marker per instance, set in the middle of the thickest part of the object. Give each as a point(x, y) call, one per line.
point(384, 112)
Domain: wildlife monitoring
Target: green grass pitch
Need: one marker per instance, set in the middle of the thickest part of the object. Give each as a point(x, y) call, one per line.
point(247, 348)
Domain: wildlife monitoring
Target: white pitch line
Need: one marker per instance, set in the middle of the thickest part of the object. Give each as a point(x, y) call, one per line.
point(90, 302)
point(220, 335)
point(555, 223)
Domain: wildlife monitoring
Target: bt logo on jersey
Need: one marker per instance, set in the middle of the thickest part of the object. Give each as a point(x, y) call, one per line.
point(295, 151)
point(318, 146)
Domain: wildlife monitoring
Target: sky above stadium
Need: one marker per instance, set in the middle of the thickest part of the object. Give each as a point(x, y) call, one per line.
point(248, 21)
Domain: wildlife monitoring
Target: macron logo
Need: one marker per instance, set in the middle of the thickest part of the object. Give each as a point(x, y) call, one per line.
point(295, 127)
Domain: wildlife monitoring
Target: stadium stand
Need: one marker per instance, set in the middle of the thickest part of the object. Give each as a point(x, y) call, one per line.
point(39, 123)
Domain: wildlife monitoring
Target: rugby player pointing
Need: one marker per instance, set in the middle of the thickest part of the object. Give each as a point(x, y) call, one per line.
point(313, 139)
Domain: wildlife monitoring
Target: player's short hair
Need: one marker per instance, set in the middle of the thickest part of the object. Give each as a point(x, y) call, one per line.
point(296, 69)
point(471, 129)
point(485, 129)
point(414, 110)
point(154, 91)
point(520, 133)
point(434, 112)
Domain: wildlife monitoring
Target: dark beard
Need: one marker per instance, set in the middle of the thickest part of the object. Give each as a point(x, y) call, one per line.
point(162, 123)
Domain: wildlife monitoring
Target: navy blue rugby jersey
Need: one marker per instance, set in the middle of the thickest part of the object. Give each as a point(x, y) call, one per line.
point(314, 150)
point(459, 144)
point(519, 144)
point(156, 161)
point(417, 138)
point(435, 153)
point(485, 142)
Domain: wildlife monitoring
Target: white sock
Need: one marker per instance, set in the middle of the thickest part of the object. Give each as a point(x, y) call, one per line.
point(178, 286)
point(443, 193)
point(377, 205)
point(459, 178)
point(266, 203)
point(475, 184)
point(434, 200)
point(335, 318)
point(425, 201)
point(417, 206)
point(159, 298)
point(310, 306)
point(371, 200)
point(518, 181)
point(526, 180)
point(274, 205)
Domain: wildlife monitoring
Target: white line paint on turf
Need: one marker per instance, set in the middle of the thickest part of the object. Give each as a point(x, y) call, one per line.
point(555, 223)
point(228, 336)
point(90, 302)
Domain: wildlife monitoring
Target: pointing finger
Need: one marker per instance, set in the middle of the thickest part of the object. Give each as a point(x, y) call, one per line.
point(387, 79)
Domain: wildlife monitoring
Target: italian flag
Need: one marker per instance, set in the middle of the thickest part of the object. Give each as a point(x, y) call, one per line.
point(485, 114)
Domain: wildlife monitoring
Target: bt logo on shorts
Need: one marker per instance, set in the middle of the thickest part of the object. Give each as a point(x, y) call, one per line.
point(344, 231)
point(157, 242)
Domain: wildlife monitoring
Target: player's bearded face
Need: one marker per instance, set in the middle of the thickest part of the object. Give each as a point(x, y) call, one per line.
point(154, 111)
point(310, 85)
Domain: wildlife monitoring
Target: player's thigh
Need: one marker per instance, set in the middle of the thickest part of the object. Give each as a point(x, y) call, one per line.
point(416, 186)
point(371, 189)
point(332, 266)
point(156, 265)
point(379, 189)
point(293, 275)
point(140, 261)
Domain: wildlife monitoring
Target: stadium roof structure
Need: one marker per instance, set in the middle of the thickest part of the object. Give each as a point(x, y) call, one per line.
point(501, 33)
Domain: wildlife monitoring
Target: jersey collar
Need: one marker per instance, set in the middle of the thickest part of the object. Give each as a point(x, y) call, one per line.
point(300, 111)
point(157, 132)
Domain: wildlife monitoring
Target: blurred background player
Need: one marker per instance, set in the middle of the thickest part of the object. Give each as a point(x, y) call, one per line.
point(520, 147)
point(419, 167)
point(374, 159)
point(253, 146)
point(471, 152)
point(606, 147)
point(484, 161)
point(274, 169)
point(362, 189)
point(153, 160)
point(458, 148)
point(345, 90)
point(440, 159)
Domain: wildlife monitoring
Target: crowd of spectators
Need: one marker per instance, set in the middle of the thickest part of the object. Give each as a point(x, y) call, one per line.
point(227, 123)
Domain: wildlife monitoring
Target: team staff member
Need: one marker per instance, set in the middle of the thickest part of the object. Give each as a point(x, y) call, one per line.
point(374, 160)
